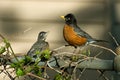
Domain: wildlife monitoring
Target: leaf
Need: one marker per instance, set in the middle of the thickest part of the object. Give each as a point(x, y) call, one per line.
point(28, 69)
point(58, 77)
point(37, 70)
point(89, 53)
point(75, 58)
point(37, 52)
point(86, 52)
point(7, 43)
point(45, 55)
point(15, 65)
point(2, 50)
point(20, 72)
point(27, 60)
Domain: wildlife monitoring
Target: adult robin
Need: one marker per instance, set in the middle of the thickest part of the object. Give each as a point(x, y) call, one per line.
point(40, 45)
point(74, 35)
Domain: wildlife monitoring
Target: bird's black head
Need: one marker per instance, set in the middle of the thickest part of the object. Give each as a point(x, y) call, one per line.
point(42, 35)
point(70, 19)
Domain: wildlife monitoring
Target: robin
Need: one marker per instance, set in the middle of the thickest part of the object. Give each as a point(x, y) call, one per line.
point(40, 45)
point(74, 35)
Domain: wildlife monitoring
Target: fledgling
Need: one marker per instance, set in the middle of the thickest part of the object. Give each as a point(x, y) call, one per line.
point(40, 45)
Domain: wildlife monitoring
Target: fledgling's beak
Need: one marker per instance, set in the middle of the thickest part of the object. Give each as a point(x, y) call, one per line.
point(63, 17)
point(47, 33)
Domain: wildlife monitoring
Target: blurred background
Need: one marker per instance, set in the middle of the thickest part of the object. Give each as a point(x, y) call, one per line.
point(22, 20)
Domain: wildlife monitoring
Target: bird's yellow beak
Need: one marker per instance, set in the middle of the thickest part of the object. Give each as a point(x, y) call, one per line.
point(62, 17)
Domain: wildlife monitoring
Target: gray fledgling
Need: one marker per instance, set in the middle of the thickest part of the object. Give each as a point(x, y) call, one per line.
point(40, 45)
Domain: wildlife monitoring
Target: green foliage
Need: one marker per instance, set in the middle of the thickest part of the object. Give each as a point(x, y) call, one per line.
point(75, 58)
point(21, 66)
point(7, 44)
point(26, 64)
point(37, 52)
point(27, 60)
point(15, 65)
point(21, 62)
point(2, 49)
point(37, 70)
point(45, 55)
point(62, 77)
point(20, 72)
point(58, 77)
point(86, 52)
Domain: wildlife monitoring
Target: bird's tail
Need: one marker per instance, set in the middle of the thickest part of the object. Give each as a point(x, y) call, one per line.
point(101, 41)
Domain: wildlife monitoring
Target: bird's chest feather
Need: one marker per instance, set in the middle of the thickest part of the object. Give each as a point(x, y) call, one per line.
point(72, 38)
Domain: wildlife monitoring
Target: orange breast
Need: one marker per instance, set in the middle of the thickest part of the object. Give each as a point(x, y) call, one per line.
point(72, 38)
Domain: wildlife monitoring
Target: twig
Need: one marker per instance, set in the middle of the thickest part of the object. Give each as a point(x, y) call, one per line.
point(53, 68)
point(63, 53)
point(114, 38)
point(6, 72)
point(13, 53)
point(2, 37)
point(102, 75)
point(98, 54)
point(103, 48)
point(59, 48)
point(81, 73)
point(74, 72)
point(45, 75)
point(35, 76)
point(56, 60)
point(10, 48)
point(69, 54)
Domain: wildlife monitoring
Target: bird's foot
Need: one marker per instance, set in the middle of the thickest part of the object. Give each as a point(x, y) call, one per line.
point(76, 50)
point(67, 45)
point(45, 75)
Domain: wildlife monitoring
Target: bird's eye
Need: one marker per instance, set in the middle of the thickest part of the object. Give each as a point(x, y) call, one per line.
point(41, 34)
point(68, 18)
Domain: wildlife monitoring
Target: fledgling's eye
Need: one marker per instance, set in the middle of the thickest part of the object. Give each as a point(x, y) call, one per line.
point(68, 18)
point(41, 34)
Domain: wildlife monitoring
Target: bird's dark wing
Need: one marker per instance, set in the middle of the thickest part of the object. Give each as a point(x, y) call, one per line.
point(38, 46)
point(82, 33)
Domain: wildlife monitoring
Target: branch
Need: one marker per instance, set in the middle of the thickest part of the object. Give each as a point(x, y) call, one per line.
point(40, 78)
point(103, 48)
point(91, 63)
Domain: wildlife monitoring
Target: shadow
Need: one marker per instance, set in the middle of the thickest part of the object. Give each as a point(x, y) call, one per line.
point(115, 26)
point(9, 23)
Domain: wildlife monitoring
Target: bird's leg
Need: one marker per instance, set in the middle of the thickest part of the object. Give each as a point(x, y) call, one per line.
point(44, 73)
point(76, 50)
point(81, 48)
point(67, 45)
